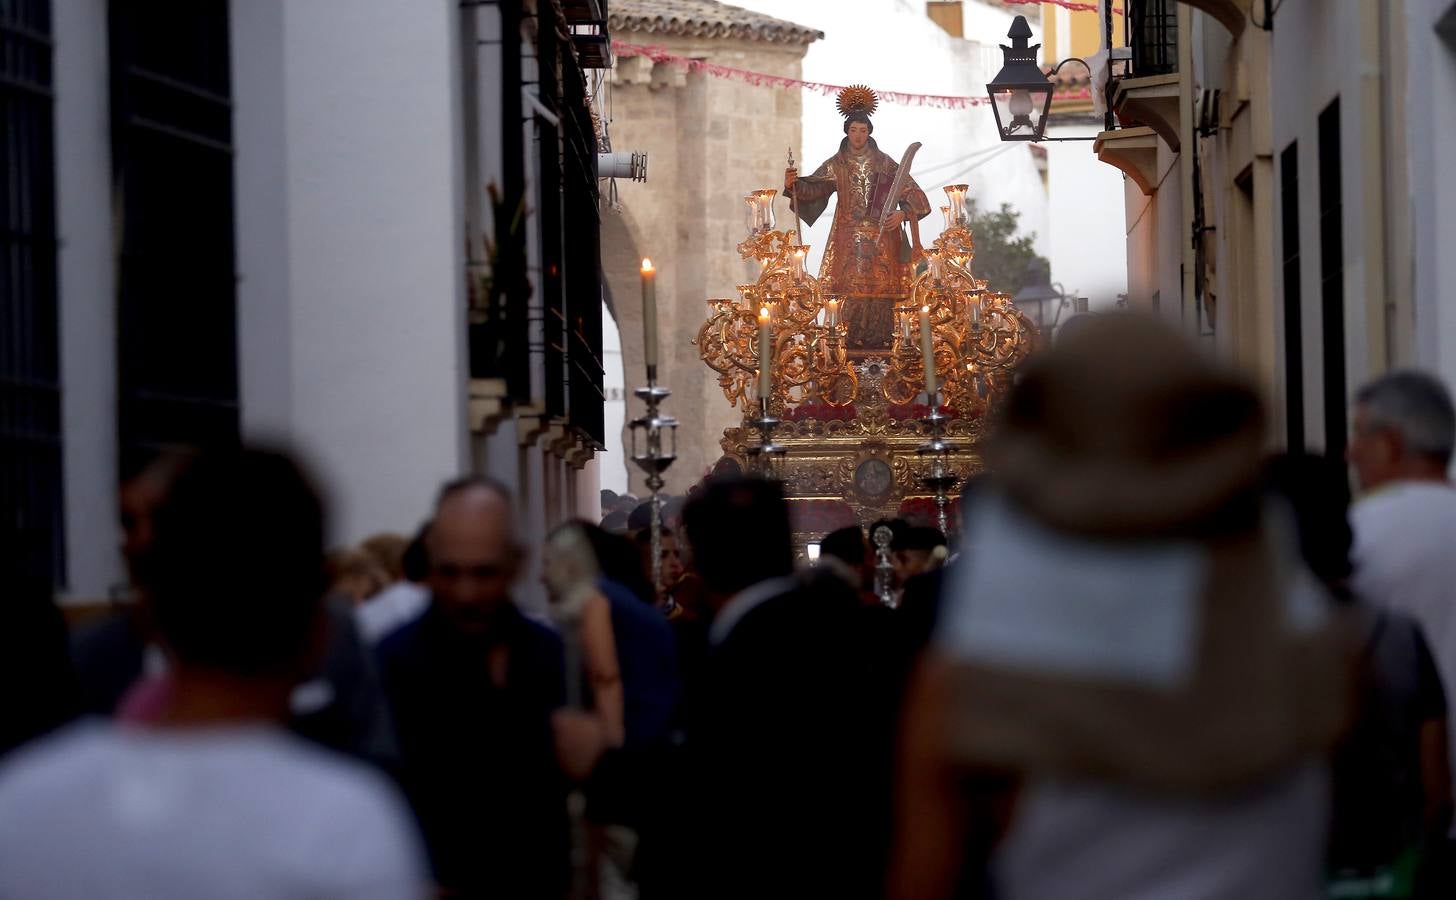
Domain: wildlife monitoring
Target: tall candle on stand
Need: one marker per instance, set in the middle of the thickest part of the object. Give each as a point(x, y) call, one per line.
point(832, 316)
point(765, 354)
point(649, 314)
point(927, 350)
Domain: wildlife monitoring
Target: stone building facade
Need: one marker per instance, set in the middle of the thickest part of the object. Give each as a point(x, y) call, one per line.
point(709, 141)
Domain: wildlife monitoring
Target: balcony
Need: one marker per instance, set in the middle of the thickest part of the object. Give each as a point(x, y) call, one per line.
point(1231, 14)
point(1151, 101)
point(1135, 152)
point(1152, 34)
point(588, 22)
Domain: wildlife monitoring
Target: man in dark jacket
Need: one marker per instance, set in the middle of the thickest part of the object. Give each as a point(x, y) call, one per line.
point(473, 685)
point(779, 740)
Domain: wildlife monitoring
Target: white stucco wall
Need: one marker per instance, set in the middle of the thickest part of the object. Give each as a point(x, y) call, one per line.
point(1316, 58)
point(1141, 249)
point(349, 248)
point(893, 45)
point(87, 291)
point(1087, 220)
point(613, 462)
point(1431, 124)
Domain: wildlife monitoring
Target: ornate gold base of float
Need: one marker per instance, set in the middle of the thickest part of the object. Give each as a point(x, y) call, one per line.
point(855, 464)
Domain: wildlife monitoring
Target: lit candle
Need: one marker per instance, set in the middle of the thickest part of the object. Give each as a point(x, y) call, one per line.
point(649, 313)
point(799, 263)
point(833, 316)
point(927, 351)
point(765, 353)
point(956, 194)
point(765, 199)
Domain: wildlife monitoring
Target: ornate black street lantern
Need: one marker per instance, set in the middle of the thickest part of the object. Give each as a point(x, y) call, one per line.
point(1021, 95)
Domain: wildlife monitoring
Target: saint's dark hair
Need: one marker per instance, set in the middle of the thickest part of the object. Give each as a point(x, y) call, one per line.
point(238, 560)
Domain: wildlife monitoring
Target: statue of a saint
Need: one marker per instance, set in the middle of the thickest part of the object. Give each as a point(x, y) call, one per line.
point(868, 268)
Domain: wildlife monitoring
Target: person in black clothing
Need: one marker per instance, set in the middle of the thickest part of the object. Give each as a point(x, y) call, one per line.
point(473, 685)
point(783, 762)
point(915, 551)
point(847, 551)
point(1391, 779)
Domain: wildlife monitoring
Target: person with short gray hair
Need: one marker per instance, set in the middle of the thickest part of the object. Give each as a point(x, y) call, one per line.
point(1404, 429)
point(1402, 436)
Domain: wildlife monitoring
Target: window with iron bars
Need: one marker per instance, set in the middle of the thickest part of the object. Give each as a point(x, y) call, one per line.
point(32, 540)
point(1152, 36)
point(571, 280)
point(172, 161)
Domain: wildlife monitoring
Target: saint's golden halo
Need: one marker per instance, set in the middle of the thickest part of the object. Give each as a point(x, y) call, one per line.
point(857, 98)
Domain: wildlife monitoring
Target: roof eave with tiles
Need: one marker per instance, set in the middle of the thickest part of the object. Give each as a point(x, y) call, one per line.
point(706, 19)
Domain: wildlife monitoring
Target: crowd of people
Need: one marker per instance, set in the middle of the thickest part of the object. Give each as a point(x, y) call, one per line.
point(1154, 662)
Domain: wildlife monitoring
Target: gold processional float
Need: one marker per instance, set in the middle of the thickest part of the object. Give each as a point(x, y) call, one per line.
point(861, 434)
point(864, 389)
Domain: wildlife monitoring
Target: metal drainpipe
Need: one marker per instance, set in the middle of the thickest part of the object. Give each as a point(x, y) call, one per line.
point(1107, 122)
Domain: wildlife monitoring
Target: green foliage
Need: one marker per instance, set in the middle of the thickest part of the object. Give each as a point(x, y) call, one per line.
point(1005, 261)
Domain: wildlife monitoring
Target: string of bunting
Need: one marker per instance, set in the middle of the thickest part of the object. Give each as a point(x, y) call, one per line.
point(1073, 5)
point(763, 79)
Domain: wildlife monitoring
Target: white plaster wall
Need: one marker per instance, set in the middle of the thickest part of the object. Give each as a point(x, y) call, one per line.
point(532, 522)
point(893, 45)
point(349, 227)
point(1169, 235)
point(1315, 58)
point(1142, 245)
point(260, 181)
point(1087, 219)
point(1431, 120)
point(87, 297)
point(612, 463)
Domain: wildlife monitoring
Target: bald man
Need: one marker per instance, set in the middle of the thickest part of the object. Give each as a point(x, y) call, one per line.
point(472, 684)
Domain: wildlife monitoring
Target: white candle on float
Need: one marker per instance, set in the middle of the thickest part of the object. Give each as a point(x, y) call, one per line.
point(765, 199)
point(649, 313)
point(956, 194)
point(927, 351)
point(765, 353)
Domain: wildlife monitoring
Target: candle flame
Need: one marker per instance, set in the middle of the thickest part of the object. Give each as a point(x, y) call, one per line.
point(763, 312)
point(925, 309)
point(647, 265)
